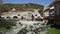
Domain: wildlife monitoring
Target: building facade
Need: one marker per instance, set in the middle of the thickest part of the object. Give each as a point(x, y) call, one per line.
point(57, 8)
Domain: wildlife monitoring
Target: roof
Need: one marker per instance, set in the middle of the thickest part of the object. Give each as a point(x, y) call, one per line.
point(52, 7)
point(16, 11)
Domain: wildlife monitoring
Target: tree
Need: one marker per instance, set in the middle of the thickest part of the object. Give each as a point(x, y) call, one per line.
point(53, 3)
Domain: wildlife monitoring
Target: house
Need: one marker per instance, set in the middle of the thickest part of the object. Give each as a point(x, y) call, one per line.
point(21, 19)
point(49, 12)
point(52, 12)
point(57, 8)
point(16, 14)
point(36, 14)
point(55, 12)
point(46, 13)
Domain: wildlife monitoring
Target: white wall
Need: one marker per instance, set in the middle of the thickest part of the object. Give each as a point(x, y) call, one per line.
point(24, 14)
point(46, 13)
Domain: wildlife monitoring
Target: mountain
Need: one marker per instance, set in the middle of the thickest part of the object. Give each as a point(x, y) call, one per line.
point(29, 6)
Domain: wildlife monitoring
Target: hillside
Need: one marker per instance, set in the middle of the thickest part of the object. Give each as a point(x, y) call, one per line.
point(29, 6)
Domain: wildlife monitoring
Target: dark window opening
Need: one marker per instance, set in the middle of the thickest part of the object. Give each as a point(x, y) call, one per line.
point(38, 17)
point(0, 16)
point(18, 14)
point(22, 17)
point(15, 17)
point(35, 15)
point(20, 23)
point(8, 17)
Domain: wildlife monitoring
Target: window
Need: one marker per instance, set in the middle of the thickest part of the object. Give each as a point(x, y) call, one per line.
point(0, 16)
point(18, 14)
point(7, 17)
point(20, 23)
point(35, 15)
point(38, 17)
point(22, 17)
point(15, 17)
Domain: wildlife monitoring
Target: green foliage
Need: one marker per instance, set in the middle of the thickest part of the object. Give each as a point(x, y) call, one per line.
point(29, 6)
point(6, 24)
point(2, 28)
point(53, 31)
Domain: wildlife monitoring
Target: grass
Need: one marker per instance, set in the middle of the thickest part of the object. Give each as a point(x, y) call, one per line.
point(53, 31)
point(2, 28)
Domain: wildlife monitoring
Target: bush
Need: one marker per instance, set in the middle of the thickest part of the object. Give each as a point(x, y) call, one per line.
point(53, 31)
point(7, 23)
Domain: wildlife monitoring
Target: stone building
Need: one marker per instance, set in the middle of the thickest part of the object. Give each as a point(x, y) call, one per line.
point(15, 14)
point(57, 8)
point(46, 13)
point(52, 12)
point(28, 25)
point(55, 11)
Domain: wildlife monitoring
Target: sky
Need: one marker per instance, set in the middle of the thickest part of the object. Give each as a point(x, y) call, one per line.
point(42, 2)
